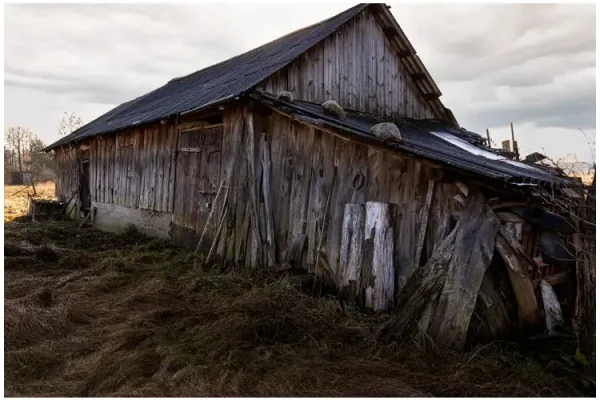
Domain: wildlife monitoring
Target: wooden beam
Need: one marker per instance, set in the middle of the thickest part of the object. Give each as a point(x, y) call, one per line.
point(522, 287)
point(430, 96)
point(405, 53)
point(252, 185)
point(553, 279)
point(389, 31)
point(418, 76)
point(470, 259)
point(266, 184)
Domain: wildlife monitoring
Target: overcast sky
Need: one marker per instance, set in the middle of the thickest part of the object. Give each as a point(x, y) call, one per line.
point(533, 65)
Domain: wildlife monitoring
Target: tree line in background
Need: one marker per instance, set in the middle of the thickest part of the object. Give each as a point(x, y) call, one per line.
point(24, 158)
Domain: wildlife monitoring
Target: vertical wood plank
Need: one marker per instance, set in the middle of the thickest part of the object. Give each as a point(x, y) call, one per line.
point(304, 138)
point(286, 166)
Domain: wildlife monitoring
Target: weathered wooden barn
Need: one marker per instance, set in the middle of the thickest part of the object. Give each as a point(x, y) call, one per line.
point(218, 160)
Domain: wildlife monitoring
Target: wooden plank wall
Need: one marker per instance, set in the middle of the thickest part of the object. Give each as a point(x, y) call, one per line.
point(135, 168)
point(358, 68)
point(198, 175)
point(308, 166)
point(67, 172)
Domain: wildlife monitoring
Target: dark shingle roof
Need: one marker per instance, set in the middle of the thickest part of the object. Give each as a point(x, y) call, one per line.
point(418, 139)
point(216, 83)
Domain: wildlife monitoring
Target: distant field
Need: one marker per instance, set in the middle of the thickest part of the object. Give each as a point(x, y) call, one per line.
point(16, 200)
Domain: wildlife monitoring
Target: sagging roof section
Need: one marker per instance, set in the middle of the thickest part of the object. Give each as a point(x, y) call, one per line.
point(234, 77)
point(431, 139)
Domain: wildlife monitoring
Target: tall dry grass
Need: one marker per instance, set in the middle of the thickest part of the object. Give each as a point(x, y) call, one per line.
point(16, 199)
point(95, 314)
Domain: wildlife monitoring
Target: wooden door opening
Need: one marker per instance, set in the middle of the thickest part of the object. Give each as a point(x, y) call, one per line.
point(85, 197)
point(196, 181)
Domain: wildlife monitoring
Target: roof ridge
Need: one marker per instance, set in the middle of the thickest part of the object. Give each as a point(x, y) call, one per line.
point(265, 44)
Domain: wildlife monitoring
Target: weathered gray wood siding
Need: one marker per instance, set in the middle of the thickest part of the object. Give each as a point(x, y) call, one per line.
point(198, 175)
point(67, 172)
point(356, 66)
point(309, 166)
point(135, 168)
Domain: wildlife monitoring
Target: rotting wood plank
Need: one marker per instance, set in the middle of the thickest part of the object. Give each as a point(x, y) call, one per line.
point(379, 292)
point(266, 164)
point(238, 170)
point(552, 309)
point(324, 178)
point(423, 223)
point(341, 190)
point(212, 214)
point(160, 168)
point(353, 232)
point(252, 188)
point(301, 181)
point(396, 167)
point(172, 173)
point(286, 167)
point(425, 281)
point(495, 312)
point(154, 164)
point(315, 200)
point(101, 180)
point(474, 248)
point(522, 287)
point(143, 203)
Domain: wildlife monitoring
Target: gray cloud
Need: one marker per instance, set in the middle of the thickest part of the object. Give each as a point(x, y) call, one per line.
point(498, 64)
point(531, 64)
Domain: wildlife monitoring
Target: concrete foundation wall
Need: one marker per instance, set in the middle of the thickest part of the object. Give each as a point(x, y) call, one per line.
point(114, 218)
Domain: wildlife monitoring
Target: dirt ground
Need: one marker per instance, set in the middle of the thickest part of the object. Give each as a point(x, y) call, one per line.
point(89, 313)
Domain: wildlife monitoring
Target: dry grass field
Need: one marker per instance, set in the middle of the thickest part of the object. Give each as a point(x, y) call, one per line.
point(16, 200)
point(89, 313)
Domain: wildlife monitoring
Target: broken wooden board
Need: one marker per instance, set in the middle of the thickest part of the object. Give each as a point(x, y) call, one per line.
point(519, 279)
point(379, 291)
point(353, 232)
point(493, 308)
point(552, 310)
point(472, 255)
point(423, 284)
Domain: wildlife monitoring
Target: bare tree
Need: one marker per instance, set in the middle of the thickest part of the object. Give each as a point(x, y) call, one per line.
point(579, 204)
point(69, 123)
point(16, 141)
point(41, 164)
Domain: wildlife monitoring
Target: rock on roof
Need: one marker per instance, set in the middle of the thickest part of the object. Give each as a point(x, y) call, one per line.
point(431, 139)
